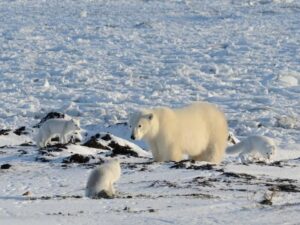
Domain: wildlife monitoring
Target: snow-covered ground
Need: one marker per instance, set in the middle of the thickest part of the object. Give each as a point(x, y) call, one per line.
point(99, 60)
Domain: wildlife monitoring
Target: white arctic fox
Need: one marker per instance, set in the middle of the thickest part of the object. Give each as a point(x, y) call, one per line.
point(101, 179)
point(56, 127)
point(254, 148)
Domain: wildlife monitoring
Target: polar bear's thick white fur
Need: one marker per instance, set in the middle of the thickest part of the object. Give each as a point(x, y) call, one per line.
point(102, 179)
point(199, 130)
point(56, 127)
point(254, 148)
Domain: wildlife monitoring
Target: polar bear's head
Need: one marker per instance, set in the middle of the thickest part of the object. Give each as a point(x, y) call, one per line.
point(141, 124)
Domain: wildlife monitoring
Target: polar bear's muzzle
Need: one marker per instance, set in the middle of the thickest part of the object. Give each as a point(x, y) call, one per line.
point(132, 137)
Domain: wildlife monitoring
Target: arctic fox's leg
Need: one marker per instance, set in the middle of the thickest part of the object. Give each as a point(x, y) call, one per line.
point(62, 139)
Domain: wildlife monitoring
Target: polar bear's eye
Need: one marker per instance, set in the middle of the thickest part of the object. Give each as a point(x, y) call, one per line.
point(140, 126)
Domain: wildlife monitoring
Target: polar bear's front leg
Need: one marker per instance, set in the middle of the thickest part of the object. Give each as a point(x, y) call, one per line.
point(155, 152)
point(172, 153)
point(111, 189)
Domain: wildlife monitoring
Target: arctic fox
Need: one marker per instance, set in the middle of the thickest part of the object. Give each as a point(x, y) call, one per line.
point(56, 127)
point(254, 148)
point(101, 179)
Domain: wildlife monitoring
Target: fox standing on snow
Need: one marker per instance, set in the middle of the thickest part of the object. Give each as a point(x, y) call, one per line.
point(101, 179)
point(254, 148)
point(56, 127)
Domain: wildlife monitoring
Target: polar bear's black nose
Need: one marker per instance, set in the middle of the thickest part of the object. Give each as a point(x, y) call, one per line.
point(132, 137)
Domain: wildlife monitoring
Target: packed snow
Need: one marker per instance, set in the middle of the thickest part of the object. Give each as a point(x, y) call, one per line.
point(97, 61)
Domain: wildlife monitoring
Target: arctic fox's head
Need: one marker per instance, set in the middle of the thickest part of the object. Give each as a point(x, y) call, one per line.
point(75, 124)
point(141, 124)
point(114, 165)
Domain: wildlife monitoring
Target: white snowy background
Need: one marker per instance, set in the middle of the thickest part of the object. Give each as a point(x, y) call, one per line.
point(99, 60)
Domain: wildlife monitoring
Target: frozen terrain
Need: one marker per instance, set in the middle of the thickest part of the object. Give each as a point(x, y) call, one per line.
point(99, 60)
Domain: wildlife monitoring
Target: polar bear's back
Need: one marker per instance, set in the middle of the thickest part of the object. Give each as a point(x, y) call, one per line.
point(204, 116)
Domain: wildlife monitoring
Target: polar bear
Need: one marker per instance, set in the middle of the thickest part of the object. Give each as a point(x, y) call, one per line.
point(101, 180)
point(254, 148)
point(199, 130)
point(56, 127)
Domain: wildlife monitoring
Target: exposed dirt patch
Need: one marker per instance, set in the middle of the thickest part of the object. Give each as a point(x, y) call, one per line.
point(190, 164)
point(55, 197)
point(121, 150)
point(202, 181)
point(42, 159)
point(55, 148)
point(22, 152)
point(4, 131)
point(5, 166)
point(106, 137)
point(94, 143)
point(77, 158)
point(285, 188)
point(27, 144)
point(21, 131)
point(239, 175)
point(163, 183)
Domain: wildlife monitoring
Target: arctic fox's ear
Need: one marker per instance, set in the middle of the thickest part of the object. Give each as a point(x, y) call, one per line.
point(76, 121)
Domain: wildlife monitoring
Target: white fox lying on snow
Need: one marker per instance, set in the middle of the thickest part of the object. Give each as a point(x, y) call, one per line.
point(254, 148)
point(56, 127)
point(101, 179)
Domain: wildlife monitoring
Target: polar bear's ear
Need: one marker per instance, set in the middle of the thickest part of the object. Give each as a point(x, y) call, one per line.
point(150, 116)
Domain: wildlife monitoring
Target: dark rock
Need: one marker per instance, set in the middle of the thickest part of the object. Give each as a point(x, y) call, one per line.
point(55, 148)
point(93, 143)
point(27, 144)
point(51, 115)
point(22, 152)
point(106, 137)
point(285, 188)
point(4, 131)
point(182, 165)
point(266, 202)
point(21, 131)
point(5, 166)
point(103, 194)
point(239, 175)
point(42, 159)
point(121, 150)
point(77, 158)
point(163, 183)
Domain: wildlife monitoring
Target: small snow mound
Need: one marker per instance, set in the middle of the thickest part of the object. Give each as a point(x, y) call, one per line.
point(287, 122)
point(289, 78)
point(116, 145)
point(46, 84)
point(83, 14)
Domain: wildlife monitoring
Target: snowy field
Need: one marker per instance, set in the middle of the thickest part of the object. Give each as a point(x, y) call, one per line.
point(99, 60)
